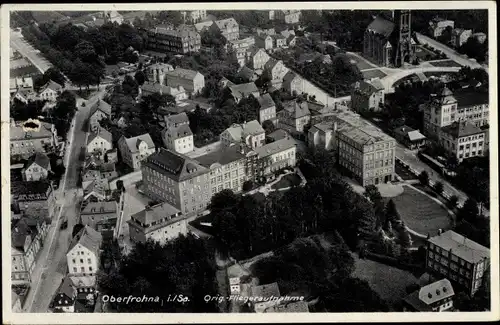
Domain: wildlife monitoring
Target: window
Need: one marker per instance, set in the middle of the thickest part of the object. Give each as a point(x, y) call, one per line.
point(81, 260)
point(75, 270)
point(89, 261)
point(90, 268)
point(74, 261)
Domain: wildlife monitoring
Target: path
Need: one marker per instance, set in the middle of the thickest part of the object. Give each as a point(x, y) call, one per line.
point(19, 43)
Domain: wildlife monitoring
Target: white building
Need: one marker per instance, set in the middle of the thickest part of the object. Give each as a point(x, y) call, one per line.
point(459, 36)
point(99, 111)
point(463, 140)
point(250, 133)
point(134, 150)
point(177, 135)
point(50, 91)
point(100, 141)
point(36, 168)
point(192, 81)
point(83, 253)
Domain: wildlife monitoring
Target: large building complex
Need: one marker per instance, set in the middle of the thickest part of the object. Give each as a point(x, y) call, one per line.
point(182, 40)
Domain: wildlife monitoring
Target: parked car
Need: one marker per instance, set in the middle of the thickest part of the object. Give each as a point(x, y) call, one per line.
point(64, 224)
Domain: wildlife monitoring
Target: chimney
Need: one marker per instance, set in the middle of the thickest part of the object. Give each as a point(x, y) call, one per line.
point(16, 229)
point(440, 231)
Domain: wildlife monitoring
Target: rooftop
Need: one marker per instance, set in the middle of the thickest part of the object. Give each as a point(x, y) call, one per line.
point(180, 118)
point(99, 207)
point(461, 129)
point(297, 110)
point(369, 87)
point(102, 133)
point(275, 147)
point(358, 129)
point(461, 246)
point(52, 86)
point(266, 290)
point(243, 90)
point(27, 188)
point(87, 237)
point(223, 157)
point(266, 101)
point(157, 213)
point(183, 73)
point(42, 130)
point(102, 106)
point(133, 143)
point(40, 159)
point(178, 166)
point(381, 26)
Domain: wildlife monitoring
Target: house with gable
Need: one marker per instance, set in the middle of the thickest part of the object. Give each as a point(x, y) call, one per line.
point(368, 96)
point(267, 109)
point(192, 81)
point(264, 42)
point(99, 142)
point(134, 150)
point(243, 91)
point(177, 135)
point(228, 27)
point(50, 91)
point(250, 133)
point(257, 58)
point(83, 253)
point(277, 71)
point(100, 110)
point(179, 93)
point(434, 297)
point(293, 83)
point(294, 117)
point(36, 168)
point(100, 216)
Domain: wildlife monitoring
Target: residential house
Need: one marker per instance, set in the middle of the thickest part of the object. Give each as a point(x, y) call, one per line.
point(27, 238)
point(24, 95)
point(113, 16)
point(176, 179)
point(293, 83)
point(275, 156)
point(227, 168)
point(250, 133)
point(97, 190)
point(179, 93)
point(438, 25)
point(457, 258)
point(136, 149)
point(368, 96)
point(203, 26)
point(36, 168)
point(21, 83)
point(101, 216)
point(434, 297)
point(411, 138)
point(99, 111)
point(50, 91)
point(34, 198)
point(99, 142)
point(193, 16)
point(76, 294)
point(243, 91)
point(83, 253)
point(177, 135)
point(228, 27)
point(279, 41)
point(265, 31)
point(160, 223)
point(264, 42)
point(286, 16)
point(277, 71)
point(267, 109)
point(290, 307)
point(156, 72)
point(481, 37)
point(294, 117)
point(241, 47)
point(65, 298)
point(270, 294)
point(246, 74)
point(277, 135)
point(463, 140)
point(192, 81)
point(31, 136)
point(180, 41)
point(459, 36)
point(257, 58)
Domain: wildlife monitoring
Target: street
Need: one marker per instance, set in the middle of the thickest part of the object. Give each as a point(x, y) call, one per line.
point(50, 268)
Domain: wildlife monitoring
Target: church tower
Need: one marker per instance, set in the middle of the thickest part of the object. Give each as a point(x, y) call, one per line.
point(404, 51)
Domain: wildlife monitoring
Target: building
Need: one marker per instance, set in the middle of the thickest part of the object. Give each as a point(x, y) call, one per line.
point(227, 168)
point(24, 95)
point(203, 26)
point(97, 190)
point(481, 37)
point(459, 36)
point(21, 83)
point(250, 133)
point(64, 300)
point(15, 302)
point(50, 91)
point(291, 307)
point(264, 31)
point(279, 41)
point(321, 136)
point(99, 142)
point(275, 156)
point(368, 96)
point(193, 16)
point(177, 136)
point(30, 137)
point(293, 83)
point(264, 42)
point(100, 216)
point(192, 81)
point(99, 111)
point(243, 91)
point(389, 43)
point(247, 74)
point(411, 138)
point(234, 286)
point(156, 72)
point(113, 17)
point(76, 294)
point(180, 41)
point(241, 47)
point(434, 297)
point(136, 149)
point(27, 238)
point(257, 58)
point(457, 258)
point(446, 108)
point(277, 71)
point(270, 294)
point(178, 93)
point(83, 253)
point(286, 16)
point(438, 25)
point(33, 199)
point(176, 179)
point(228, 27)
point(463, 140)
point(160, 223)
point(36, 168)
point(277, 135)
point(267, 109)
point(294, 117)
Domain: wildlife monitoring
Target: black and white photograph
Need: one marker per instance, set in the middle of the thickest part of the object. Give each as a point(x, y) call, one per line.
point(254, 158)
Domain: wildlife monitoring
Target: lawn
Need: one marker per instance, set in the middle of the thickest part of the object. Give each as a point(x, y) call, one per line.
point(447, 63)
point(376, 73)
point(360, 62)
point(286, 181)
point(420, 213)
point(413, 77)
point(424, 54)
point(30, 70)
point(389, 282)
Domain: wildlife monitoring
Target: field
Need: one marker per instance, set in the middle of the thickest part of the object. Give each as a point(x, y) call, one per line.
point(287, 181)
point(389, 282)
point(447, 63)
point(375, 73)
point(47, 16)
point(420, 213)
point(360, 62)
point(24, 71)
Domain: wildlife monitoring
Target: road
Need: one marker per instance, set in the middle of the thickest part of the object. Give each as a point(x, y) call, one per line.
point(451, 53)
point(17, 42)
point(51, 264)
point(389, 80)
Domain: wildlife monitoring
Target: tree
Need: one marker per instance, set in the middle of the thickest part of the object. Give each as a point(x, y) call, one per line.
point(424, 178)
point(372, 192)
point(452, 202)
point(140, 77)
point(438, 187)
point(247, 186)
point(469, 211)
point(391, 212)
point(268, 126)
point(130, 86)
point(223, 200)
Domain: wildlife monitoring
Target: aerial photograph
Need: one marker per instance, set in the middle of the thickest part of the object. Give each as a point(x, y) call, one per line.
point(249, 161)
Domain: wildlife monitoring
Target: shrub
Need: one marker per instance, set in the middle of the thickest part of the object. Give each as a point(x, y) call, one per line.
point(424, 178)
point(438, 187)
point(452, 202)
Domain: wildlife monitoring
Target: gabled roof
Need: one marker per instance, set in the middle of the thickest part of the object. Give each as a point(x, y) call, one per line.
point(278, 135)
point(266, 290)
point(102, 133)
point(183, 73)
point(297, 110)
point(381, 26)
point(461, 246)
point(180, 131)
point(40, 159)
point(99, 207)
point(88, 238)
point(223, 157)
point(368, 87)
point(271, 63)
point(275, 147)
point(52, 85)
point(265, 101)
point(243, 90)
point(155, 213)
point(436, 291)
point(133, 143)
point(67, 289)
point(178, 166)
point(20, 230)
point(102, 106)
point(225, 23)
point(180, 118)
point(461, 129)
point(202, 25)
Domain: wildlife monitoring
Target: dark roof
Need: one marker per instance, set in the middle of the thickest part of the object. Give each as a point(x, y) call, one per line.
point(266, 101)
point(297, 110)
point(20, 229)
point(40, 159)
point(223, 157)
point(461, 129)
point(278, 135)
point(156, 213)
point(65, 293)
point(246, 72)
point(178, 166)
point(87, 237)
point(468, 99)
point(243, 90)
point(368, 88)
point(102, 106)
point(24, 187)
point(381, 26)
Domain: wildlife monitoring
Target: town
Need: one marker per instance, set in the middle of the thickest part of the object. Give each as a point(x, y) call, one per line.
point(299, 160)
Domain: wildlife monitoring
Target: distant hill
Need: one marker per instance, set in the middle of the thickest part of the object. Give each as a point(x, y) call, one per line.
point(47, 16)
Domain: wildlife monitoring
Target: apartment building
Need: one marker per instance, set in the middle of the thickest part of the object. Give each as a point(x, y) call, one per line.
point(176, 179)
point(192, 81)
point(193, 16)
point(227, 168)
point(264, 42)
point(250, 133)
point(434, 297)
point(368, 96)
point(100, 216)
point(36, 168)
point(458, 259)
point(136, 149)
point(257, 58)
point(294, 117)
point(181, 40)
point(160, 223)
point(228, 27)
point(438, 25)
point(33, 199)
point(463, 140)
point(275, 156)
point(446, 108)
point(83, 253)
point(30, 137)
point(267, 109)
point(177, 135)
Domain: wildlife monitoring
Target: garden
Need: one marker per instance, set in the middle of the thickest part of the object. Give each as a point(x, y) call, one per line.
point(287, 181)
